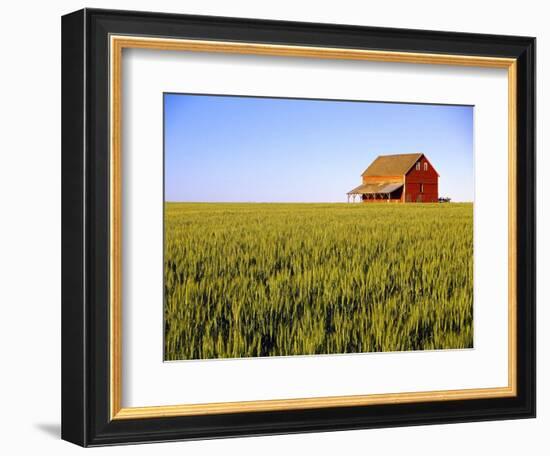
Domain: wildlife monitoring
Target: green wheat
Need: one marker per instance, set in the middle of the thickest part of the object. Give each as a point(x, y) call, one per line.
point(247, 280)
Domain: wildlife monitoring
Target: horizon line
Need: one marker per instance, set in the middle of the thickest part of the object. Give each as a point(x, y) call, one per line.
point(296, 202)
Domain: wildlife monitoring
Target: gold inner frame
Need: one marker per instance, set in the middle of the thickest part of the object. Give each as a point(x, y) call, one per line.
point(117, 44)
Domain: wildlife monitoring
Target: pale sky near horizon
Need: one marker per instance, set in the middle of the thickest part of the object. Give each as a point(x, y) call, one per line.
point(249, 149)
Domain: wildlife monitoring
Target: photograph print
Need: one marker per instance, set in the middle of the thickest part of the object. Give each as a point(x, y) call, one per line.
point(300, 227)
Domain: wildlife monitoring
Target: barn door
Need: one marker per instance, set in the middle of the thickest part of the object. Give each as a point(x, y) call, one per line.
point(419, 198)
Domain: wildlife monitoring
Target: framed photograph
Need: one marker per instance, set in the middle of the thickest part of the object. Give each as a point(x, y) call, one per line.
point(279, 227)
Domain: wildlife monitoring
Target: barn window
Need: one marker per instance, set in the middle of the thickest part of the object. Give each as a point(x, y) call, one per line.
point(425, 166)
point(418, 166)
point(421, 188)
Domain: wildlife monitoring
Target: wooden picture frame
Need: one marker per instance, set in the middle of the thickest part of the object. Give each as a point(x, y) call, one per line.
point(92, 44)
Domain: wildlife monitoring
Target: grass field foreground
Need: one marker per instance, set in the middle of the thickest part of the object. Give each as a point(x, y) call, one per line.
point(244, 280)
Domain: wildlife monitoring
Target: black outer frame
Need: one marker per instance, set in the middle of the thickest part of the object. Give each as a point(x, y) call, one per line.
point(85, 227)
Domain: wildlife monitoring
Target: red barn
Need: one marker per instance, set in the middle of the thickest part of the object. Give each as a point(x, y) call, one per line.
point(403, 178)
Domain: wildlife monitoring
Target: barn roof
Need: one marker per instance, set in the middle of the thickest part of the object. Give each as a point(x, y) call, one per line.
point(377, 187)
point(391, 165)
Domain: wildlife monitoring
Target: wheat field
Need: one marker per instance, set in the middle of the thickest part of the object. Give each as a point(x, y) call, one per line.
point(246, 280)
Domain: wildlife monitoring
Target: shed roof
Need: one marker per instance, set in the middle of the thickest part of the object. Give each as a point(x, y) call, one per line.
point(391, 165)
point(378, 187)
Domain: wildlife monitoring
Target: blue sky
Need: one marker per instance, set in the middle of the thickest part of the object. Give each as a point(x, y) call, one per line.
point(241, 149)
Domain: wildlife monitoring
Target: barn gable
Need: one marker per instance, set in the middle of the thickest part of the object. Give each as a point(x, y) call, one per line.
point(423, 158)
